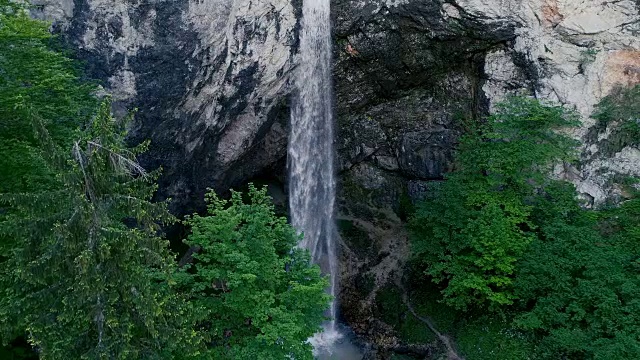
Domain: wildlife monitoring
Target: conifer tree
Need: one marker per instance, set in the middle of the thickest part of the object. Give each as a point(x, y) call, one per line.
point(34, 74)
point(83, 281)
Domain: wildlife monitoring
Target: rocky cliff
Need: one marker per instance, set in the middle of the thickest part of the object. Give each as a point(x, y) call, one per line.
point(211, 80)
point(410, 74)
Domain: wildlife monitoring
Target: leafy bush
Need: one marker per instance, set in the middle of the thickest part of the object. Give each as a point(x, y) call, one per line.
point(472, 230)
point(256, 294)
point(493, 338)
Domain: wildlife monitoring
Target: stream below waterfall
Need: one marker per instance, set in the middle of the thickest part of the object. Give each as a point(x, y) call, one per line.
point(336, 345)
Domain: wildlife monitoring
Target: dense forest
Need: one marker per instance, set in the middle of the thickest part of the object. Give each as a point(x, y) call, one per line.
point(505, 258)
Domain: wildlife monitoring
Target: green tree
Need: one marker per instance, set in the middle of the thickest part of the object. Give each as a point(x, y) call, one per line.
point(578, 285)
point(34, 74)
point(257, 295)
point(83, 281)
point(474, 227)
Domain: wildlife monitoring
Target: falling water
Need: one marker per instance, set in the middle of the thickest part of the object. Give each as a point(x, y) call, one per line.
point(311, 171)
point(312, 184)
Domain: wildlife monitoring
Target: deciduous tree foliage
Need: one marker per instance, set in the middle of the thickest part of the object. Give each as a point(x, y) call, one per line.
point(257, 295)
point(476, 225)
point(578, 283)
point(499, 232)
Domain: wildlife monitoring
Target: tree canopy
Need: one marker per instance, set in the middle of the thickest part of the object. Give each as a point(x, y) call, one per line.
point(578, 284)
point(257, 295)
point(475, 226)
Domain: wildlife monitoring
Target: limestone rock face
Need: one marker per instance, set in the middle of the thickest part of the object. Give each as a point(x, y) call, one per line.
point(570, 52)
point(210, 79)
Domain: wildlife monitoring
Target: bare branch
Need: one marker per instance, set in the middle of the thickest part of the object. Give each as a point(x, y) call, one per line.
point(122, 162)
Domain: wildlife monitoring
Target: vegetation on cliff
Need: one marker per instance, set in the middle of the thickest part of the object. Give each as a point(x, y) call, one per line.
point(501, 236)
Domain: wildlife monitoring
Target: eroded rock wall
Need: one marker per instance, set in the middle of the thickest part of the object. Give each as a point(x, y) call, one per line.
point(210, 79)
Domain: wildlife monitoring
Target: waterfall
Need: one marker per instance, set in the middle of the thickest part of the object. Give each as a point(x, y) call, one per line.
point(311, 155)
point(312, 183)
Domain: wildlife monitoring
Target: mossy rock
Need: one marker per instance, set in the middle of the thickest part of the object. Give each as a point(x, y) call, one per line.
point(353, 192)
point(406, 208)
point(356, 238)
point(389, 306)
point(365, 283)
point(621, 108)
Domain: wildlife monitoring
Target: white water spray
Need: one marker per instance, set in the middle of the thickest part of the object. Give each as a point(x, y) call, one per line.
point(311, 156)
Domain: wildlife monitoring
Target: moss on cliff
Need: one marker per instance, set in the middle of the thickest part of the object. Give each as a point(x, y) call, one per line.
point(617, 113)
